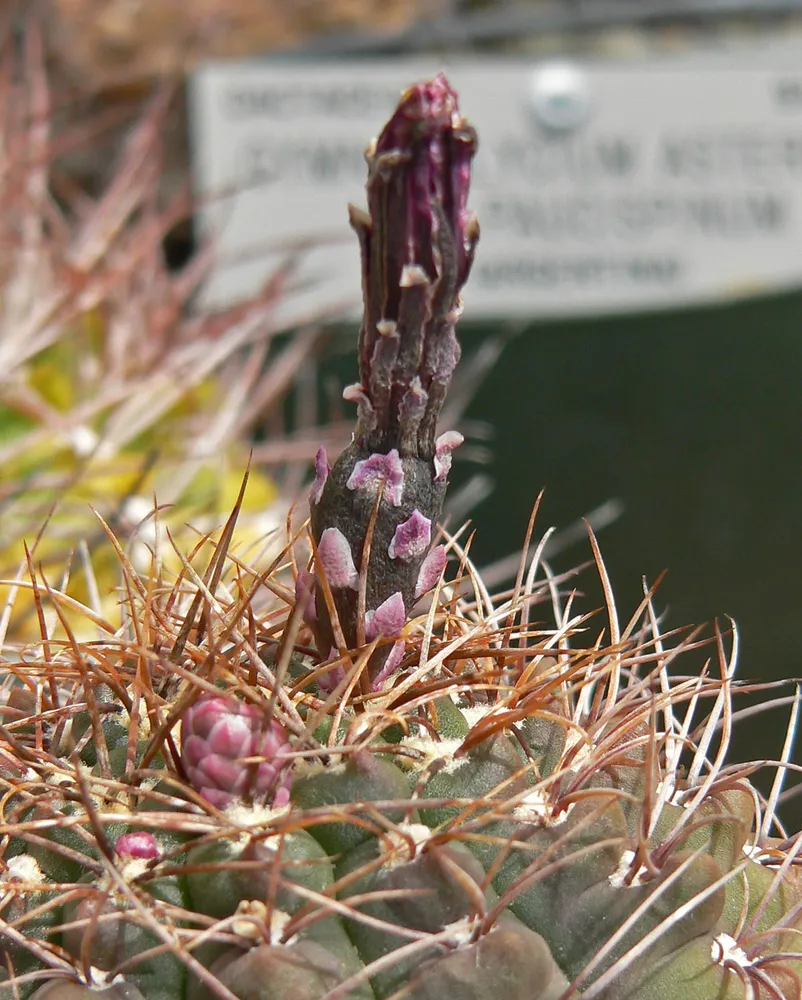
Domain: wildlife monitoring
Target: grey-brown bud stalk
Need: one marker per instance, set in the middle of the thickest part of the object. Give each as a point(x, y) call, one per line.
point(417, 245)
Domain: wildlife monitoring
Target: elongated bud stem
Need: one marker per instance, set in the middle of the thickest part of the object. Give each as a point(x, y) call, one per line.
point(417, 249)
point(417, 245)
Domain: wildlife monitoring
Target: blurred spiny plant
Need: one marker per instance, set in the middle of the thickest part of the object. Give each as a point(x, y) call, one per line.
point(352, 772)
point(113, 389)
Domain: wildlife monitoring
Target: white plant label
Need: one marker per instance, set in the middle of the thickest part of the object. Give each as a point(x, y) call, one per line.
point(599, 187)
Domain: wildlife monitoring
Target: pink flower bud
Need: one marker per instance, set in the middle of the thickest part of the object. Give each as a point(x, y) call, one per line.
point(137, 844)
point(217, 733)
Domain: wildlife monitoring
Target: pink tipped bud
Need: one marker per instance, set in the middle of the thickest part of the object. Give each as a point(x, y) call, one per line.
point(327, 682)
point(305, 596)
point(217, 734)
point(139, 844)
point(391, 664)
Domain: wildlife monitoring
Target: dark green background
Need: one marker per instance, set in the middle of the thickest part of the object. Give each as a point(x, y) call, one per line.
point(693, 420)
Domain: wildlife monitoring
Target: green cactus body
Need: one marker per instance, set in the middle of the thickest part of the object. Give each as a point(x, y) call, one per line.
point(364, 777)
point(305, 970)
point(492, 768)
point(33, 911)
point(217, 887)
point(490, 810)
point(429, 893)
point(108, 932)
point(510, 961)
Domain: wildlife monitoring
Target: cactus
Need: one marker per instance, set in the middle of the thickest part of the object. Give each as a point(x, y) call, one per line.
point(337, 776)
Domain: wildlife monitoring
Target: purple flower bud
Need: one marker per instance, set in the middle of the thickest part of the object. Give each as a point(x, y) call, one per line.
point(216, 734)
point(422, 162)
point(417, 243)
point(138, 844)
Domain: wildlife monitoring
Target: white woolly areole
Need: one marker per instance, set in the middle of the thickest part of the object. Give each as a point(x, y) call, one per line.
point(132, 868)
point(461, 932)
point(475, 713)
point(396, 845)
point(278, 922)
point(535, 807)
point(305, 766)
point(66, 776)
point(250, 816)
point(618, 879)
point(251, 917)
point(433, 750)
point(100, 979)
point(753, 851)
point(726, 949)
point(23, 868)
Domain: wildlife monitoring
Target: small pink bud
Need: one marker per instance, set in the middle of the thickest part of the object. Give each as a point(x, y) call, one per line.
point(329, 681)
point(217, 733)
point(138, 844)
point(367, 415)
point(391, 664)
point(412, 407)
point(305, 596)
point(443, 447)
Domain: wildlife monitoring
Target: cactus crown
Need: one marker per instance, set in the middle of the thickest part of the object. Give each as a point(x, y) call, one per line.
point(302, 781)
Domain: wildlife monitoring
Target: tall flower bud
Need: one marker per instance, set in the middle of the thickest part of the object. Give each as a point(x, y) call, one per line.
point(417, 245)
